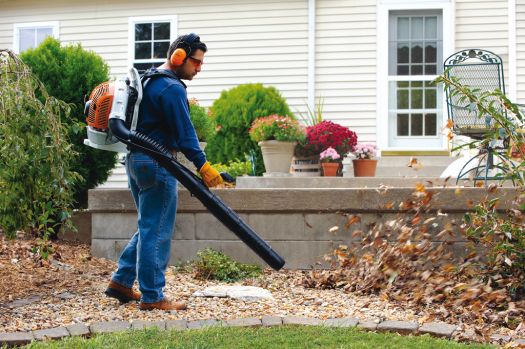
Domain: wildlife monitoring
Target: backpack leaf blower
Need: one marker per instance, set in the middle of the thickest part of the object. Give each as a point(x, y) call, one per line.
point(112, 114)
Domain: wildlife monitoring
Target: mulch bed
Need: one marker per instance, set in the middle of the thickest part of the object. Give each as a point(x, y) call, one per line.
point(68, 287)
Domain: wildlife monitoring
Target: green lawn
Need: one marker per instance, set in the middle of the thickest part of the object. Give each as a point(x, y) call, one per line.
point(281, 337)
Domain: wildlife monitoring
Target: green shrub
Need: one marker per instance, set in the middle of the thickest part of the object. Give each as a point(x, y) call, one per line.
point(70, 73)
point(233, 113)
point(201, 121)
point(235, 168)
point(36, 177)
point(214, 265)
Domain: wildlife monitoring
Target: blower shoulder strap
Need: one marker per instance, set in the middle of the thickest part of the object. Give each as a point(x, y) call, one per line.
point(154, 73)
point(140, 84)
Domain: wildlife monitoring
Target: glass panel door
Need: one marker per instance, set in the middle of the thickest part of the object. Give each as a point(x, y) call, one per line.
point(415, 53)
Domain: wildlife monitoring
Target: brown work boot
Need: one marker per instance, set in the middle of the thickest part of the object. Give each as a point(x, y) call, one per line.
point(164, 304)
point(122, 293)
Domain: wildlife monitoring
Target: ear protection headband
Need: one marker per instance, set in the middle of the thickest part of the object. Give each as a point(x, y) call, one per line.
point(183, 49)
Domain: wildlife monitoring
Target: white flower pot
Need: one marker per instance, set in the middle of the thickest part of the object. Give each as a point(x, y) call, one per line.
point(277, 157)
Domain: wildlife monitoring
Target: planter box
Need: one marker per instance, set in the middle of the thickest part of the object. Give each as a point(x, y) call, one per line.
point(306, 167)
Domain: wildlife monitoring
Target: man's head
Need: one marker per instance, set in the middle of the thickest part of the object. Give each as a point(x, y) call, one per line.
point(186, 55)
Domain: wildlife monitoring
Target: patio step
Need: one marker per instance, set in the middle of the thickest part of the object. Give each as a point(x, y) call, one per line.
point(118, 179)
point(410, 166)
point(391, 171)
point(248, 182)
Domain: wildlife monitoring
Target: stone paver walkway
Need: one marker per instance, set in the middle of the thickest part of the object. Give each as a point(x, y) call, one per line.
point(437, 329)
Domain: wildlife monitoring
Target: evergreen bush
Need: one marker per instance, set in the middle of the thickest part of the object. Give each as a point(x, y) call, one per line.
point(70, 73)
point(233, 113)
point(36, 178)
point(201, 121)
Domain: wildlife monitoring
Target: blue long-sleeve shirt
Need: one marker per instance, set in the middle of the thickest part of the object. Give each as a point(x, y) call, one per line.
point(164, 115)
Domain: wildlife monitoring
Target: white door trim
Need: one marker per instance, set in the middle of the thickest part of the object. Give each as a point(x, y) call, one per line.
point(383, 8)
point(511, 80)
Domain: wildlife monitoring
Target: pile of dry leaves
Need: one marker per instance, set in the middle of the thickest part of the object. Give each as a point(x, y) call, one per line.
point(24, 272)
point(401, 261)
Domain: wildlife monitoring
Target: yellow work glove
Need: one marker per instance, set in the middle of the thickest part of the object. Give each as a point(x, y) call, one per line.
point(210, 176)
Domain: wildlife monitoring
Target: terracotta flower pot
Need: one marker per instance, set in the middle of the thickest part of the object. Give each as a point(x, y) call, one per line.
point(330, 168)
point(364, 167)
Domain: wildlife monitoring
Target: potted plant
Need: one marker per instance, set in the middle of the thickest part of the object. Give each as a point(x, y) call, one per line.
point(328, 134)
point(330, 161)
point(364, 165)
point(305, 162)
point(277, 136)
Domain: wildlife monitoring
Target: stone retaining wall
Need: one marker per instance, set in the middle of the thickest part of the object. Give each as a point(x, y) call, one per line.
point(296, 222)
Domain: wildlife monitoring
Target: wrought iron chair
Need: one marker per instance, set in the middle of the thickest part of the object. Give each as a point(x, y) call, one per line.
point(481, 71)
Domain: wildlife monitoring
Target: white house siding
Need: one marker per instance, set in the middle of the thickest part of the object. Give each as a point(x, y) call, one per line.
point(520, 50)
point(248, 40)
point(483, 24)
point(346, 63)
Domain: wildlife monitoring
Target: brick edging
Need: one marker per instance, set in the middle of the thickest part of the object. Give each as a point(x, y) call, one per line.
point(436, 329)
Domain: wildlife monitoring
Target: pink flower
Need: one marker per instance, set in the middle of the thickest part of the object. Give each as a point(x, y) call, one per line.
point(329, 154)
point(365, 150)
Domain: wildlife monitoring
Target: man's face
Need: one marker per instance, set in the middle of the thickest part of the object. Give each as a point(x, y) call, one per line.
point(192, 65)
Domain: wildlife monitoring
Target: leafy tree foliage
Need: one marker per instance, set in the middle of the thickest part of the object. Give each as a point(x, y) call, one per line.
point(36, 177)
point(70, 73)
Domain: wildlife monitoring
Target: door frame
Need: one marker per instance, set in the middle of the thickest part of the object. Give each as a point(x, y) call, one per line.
point(383, 10)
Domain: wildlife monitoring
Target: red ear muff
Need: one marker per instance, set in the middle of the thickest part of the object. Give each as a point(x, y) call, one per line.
point(177, 57)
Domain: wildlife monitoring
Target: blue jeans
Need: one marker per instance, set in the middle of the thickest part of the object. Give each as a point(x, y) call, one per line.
point(146, 256)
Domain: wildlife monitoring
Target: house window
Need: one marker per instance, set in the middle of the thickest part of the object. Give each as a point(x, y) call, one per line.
point(415, 56)
point(150, 42)
point(30, 35)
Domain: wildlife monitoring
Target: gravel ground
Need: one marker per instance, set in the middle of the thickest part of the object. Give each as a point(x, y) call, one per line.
point(68, 289)
point(63, 307)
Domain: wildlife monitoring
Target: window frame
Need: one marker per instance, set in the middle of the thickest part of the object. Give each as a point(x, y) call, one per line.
point(172, 19)
point(54, 25)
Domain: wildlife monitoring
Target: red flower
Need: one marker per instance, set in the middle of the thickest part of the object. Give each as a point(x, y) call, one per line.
point(329, 134)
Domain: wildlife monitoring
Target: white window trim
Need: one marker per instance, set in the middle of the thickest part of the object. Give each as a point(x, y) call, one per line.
point(383, 9)
point(17, 26)
point(151, 19)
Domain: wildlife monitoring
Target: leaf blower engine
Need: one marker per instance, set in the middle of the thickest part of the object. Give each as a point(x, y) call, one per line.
point(117, 99)
point(112, 114)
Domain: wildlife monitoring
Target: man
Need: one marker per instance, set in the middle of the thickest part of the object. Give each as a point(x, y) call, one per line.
point(163, 116)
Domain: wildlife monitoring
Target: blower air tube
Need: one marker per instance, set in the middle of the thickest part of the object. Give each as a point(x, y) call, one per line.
point(213, 203)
